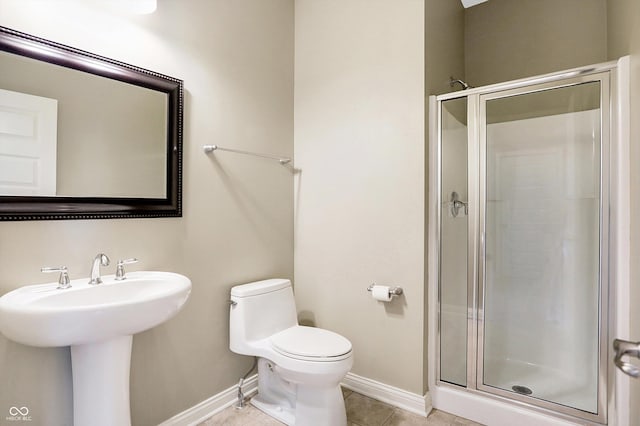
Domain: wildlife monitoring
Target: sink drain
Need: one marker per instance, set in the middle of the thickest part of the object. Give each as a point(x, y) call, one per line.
point(522, 390)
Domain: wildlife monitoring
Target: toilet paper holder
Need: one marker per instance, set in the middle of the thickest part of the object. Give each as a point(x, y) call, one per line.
point(395, 291)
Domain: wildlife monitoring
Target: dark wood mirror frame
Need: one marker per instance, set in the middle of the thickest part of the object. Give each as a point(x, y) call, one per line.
point(47, 208)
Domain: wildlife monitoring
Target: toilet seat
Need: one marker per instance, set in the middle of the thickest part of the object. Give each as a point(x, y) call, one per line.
point(311, 344)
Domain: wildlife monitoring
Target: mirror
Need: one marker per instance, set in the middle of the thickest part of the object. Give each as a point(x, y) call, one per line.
point(84, 136)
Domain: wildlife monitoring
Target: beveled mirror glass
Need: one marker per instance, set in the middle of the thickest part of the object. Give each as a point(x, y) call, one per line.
point(84, 136)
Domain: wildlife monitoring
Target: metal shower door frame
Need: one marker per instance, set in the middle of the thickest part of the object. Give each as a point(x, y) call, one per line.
point(603, 273)
point(476, 163)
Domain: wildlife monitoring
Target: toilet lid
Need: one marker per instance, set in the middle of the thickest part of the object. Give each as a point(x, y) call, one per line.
point(310, 342)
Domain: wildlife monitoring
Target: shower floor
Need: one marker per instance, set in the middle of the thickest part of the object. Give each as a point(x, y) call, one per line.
point(546, 383)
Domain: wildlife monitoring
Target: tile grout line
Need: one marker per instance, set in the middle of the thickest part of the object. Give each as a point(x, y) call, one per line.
point(388, 419)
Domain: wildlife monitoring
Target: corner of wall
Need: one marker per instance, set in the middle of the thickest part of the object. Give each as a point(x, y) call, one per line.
point(444, 57)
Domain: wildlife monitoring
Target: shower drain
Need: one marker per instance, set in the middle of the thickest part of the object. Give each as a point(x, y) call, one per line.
point(522, 390)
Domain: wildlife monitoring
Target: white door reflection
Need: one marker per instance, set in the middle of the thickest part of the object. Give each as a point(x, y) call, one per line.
point(28, 144)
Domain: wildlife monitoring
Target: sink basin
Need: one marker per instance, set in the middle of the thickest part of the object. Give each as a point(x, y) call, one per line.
point(98, 323)
point(41, 315)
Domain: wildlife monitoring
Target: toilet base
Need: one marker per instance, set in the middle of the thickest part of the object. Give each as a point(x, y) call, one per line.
point(277, 411)
point(314, 407)
point(298, 404)
point(320, 406)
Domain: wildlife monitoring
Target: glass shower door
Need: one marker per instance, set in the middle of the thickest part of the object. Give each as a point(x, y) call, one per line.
point(540, 165)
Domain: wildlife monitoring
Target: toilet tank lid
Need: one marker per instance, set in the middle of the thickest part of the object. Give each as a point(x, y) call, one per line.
point(260, 287)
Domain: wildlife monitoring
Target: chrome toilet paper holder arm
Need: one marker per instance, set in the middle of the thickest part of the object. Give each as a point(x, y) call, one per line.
point(395, 291)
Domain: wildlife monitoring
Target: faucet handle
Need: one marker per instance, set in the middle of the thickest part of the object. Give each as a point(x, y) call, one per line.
point(63, 279)
point(120, 273)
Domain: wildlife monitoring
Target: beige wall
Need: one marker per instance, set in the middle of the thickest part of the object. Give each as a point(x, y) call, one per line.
point(620, 22)
point(359, 145)
point(444, 45)
point(236, 59)
point(506, 39)
point(624, 38)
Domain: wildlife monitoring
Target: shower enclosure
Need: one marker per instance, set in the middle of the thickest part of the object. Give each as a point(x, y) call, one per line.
point(522, 241)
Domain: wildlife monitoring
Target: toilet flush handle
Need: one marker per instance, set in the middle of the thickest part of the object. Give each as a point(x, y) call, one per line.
point(232, 303)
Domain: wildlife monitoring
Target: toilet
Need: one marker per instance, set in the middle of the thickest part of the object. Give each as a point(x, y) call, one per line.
point(299, 368)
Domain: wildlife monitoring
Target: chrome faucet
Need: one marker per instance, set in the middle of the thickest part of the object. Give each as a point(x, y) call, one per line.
point(100, 259)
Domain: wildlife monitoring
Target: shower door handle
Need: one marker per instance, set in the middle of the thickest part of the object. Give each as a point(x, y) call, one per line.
point(622, 348)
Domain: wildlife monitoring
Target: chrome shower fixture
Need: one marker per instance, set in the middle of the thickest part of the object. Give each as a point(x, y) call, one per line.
point(453, 81)
point(470, 3)
point(455, 204)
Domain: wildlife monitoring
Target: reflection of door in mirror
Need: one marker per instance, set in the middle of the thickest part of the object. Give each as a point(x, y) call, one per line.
point(28, 139)
point(112, 136)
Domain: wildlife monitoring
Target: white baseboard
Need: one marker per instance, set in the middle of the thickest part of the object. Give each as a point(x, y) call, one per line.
point(209, 407)
point(397, 397)
point(412, 402)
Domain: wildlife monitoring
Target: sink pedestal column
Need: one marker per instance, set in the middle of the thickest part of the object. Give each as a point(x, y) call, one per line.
point(101, 382)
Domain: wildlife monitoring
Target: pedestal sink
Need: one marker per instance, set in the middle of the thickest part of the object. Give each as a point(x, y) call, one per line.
point(98, 322)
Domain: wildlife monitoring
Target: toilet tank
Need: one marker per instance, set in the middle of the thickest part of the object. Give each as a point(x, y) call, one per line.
point(259, 310)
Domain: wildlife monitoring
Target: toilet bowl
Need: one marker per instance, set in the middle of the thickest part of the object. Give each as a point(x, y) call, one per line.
point(299, 368)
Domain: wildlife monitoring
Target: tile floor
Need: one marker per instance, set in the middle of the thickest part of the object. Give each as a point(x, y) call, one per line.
point(361, 411)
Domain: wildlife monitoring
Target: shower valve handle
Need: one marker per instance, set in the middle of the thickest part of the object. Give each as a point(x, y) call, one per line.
point(455, 204)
